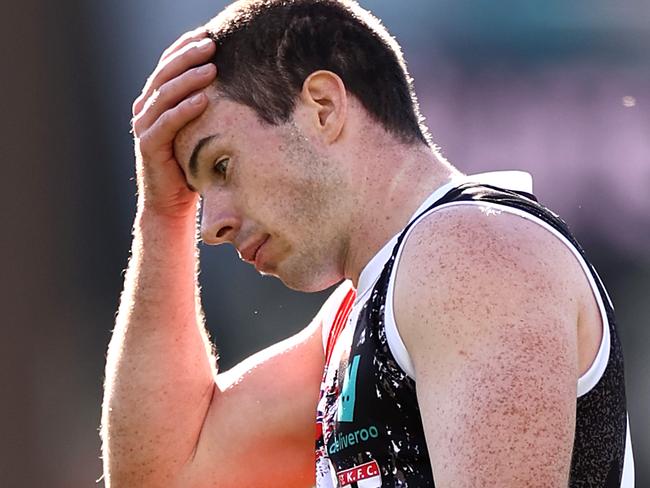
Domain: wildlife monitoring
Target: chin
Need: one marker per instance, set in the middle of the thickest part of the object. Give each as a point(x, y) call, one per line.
point(308, 281)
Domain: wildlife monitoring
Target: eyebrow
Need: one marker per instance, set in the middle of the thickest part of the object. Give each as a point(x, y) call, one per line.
point(194, 163)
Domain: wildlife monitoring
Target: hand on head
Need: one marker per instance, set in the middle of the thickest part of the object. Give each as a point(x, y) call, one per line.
point(171, 98)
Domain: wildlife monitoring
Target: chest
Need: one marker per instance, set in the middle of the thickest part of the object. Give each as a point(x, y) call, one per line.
point(371, 424)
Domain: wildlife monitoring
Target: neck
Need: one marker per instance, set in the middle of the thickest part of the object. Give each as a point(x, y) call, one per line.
point(390, 192)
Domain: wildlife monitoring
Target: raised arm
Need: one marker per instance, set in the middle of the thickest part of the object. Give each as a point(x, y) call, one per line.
point(167, 420)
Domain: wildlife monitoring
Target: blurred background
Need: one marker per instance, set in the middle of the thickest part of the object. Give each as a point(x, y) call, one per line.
point(559, 89)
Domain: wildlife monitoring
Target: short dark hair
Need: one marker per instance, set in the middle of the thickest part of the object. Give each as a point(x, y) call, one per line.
point(267, 48)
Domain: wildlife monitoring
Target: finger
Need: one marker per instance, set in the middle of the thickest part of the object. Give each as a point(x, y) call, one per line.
point(190, 36)
point(162, 133)
point(190, 55)
point(173, 92)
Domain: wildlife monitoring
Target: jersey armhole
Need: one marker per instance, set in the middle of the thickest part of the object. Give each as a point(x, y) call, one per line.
point(586, 382)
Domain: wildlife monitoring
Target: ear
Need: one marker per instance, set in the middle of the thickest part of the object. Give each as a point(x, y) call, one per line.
point(324, 95)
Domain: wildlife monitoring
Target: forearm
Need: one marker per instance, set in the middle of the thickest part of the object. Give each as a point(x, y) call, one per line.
point(159, 374)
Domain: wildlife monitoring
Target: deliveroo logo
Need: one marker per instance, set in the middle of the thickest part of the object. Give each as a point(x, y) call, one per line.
point(345, 411)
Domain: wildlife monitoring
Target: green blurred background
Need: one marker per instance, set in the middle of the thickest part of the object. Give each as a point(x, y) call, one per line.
point(559, 89)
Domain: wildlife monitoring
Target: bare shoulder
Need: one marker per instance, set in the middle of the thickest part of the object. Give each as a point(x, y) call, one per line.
point(474, 254)
point(487, 304)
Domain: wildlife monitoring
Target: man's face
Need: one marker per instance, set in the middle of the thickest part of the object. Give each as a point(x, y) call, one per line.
point(268, 191)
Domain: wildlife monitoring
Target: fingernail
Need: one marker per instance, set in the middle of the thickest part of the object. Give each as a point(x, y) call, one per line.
point(204, 70)
point(205, 44)
point(196, 99)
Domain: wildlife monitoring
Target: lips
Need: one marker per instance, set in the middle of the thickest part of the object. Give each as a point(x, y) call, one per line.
point(249, 251)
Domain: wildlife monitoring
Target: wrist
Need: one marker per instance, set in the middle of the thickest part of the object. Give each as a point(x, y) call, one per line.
point(172, 222)
point(178, 204)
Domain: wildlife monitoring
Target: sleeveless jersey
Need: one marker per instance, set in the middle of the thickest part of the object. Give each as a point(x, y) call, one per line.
point(369, 429)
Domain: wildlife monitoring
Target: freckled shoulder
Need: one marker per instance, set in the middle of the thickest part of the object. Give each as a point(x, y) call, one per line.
point(487, 304)
point(472, 259)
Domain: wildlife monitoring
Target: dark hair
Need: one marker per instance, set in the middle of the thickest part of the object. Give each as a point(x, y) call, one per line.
point(267, 48)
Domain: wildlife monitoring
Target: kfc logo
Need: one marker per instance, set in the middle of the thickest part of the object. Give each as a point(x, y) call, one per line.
point(364, 476)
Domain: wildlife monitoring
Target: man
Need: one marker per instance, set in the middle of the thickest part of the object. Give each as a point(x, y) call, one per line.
point(471, 343)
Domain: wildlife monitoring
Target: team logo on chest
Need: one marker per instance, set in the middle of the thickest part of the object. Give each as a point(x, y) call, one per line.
point(363, 476)
point(348, 396)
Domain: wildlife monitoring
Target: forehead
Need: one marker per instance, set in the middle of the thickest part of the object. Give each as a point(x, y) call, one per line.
point(222, 118)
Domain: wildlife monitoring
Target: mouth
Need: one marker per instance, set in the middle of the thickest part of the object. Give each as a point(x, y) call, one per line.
point(249, 252)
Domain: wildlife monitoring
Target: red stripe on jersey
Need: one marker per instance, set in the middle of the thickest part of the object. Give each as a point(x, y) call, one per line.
point(340, 319)
point(339, 323)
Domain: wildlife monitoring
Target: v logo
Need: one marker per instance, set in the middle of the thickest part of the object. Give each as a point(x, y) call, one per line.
point(345, 412)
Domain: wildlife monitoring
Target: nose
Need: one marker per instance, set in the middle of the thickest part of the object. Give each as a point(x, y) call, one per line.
point(219, 225)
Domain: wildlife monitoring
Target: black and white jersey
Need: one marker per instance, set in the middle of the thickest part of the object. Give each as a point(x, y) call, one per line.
point(369, 428)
